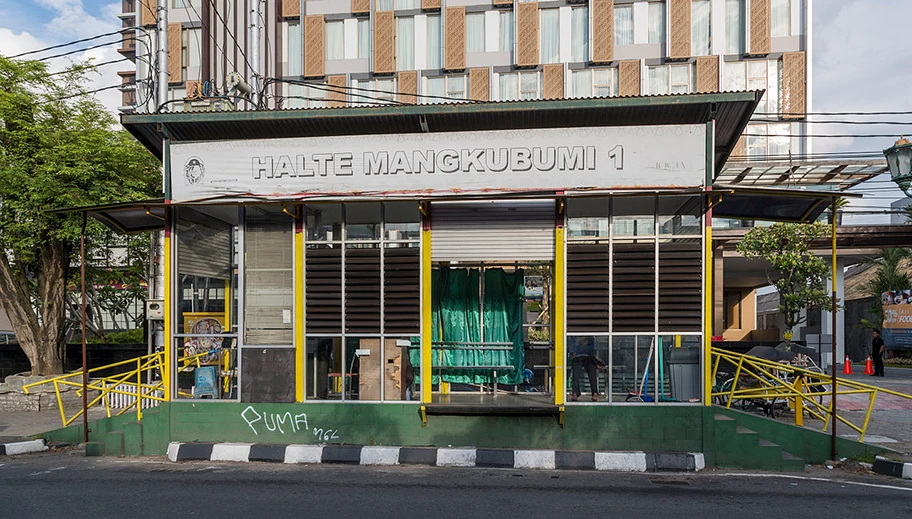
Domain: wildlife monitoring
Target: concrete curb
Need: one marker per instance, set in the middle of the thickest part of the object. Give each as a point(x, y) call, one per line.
point(896, 469)
point(12, 449)
point(440, 457)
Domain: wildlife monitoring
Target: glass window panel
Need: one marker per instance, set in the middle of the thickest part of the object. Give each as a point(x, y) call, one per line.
point(623, 25)
point(633, 216)
point(335, 40)
point(268, 265)
point(402, 220)
point(456, 87)
point(406, 4)
point(324, 222)
point(436, 86)
point(587, 357)
point(550, 36)
point(301, 96)
point(701, 29)
point(509, 87)
point(324, 363)
point(433, 42)
point(735, 76)
point(632, 363)
point(580, 34)
point(506, 31)
point(658, 80)
point(587, 217)
point(680, 215)
point(656, 22)
point(362, 221)
point(364, 38)
point(680, 79)
point(295, 47)
point(772, 91)
point(604, 82)
point(681, 366)
point(581, 81)
point(475, 32)
point(781, 18)
point(194, 49)
point(735, 28)
point(385, 5)
point(779, 139)
point(528, 85)
point(405, 43)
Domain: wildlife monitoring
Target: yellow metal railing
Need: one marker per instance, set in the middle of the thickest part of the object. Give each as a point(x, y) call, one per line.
point(753, 380)
point(129, 383)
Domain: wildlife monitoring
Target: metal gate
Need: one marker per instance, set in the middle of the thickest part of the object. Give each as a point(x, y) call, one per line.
point(493, 231)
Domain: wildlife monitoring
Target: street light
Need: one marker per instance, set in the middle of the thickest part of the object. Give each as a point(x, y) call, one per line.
point(899, 158)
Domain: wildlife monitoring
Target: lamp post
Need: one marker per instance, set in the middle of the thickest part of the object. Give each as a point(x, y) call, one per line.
point(899, 158)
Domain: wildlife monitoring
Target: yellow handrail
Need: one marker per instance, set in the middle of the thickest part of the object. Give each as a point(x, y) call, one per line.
point(129, 383)
point(756, 378)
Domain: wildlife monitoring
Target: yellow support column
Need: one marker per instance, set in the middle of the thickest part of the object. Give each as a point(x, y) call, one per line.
point(557, 318)
point(298, 312)
point(707, 311)
point(426, 336)
point(169, 342)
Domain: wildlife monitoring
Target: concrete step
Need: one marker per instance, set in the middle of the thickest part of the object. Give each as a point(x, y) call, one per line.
point(133, 438)
point(114, 443)
point(792, 463)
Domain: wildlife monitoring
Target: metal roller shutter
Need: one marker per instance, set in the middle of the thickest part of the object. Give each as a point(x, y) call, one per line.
point(492, 231)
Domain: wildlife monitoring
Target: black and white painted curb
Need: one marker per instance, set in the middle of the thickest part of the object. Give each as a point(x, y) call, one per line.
point(11, 449)
point(440, 457)
point(897, 469)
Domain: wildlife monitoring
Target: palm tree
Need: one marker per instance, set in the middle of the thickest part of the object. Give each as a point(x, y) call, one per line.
point(892, 274)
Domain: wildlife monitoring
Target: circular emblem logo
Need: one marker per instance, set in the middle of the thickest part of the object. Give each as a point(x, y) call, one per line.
point(194, 170)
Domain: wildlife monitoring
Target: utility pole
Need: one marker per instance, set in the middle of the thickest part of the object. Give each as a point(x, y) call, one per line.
point(255, 52)
point(161, 30)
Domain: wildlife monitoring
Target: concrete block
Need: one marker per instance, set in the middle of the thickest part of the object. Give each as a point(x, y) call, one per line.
point(230, 452)
point(342, 454)
point(12, 449)
point(114, 443)
point(194, 452)
point(675, 461)
point(380, 455)
point(500, 458)
point(303, 453)
point(417, 456)
point(533, 459)
point(455, 457)
point(621, 461)
point(94, 449)
point(133, 438)
point(268, 453)
point(574, 460)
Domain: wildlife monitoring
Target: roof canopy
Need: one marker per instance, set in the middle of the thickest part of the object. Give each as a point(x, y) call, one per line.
point(771, 204)
point(730, 110)
point(126, 217)
point(839, 175)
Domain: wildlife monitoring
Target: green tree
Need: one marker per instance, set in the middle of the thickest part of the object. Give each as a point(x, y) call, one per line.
point(799, 276)
point(892, 274)
point(58, 148)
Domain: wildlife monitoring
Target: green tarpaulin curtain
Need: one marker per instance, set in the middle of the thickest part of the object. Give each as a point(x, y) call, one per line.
point(456, 317)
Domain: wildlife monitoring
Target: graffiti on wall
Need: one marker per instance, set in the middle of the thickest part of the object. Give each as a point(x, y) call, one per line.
point(284, 423)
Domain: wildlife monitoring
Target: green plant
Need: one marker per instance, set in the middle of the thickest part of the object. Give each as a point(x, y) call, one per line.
point(891, 274)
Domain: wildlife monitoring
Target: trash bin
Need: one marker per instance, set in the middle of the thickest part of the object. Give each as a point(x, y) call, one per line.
point(684, 365)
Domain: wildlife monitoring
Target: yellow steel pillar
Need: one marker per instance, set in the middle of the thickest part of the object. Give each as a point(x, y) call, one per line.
point(167, 367)
point(298, 307)
point(426, 336)
point(557, 317)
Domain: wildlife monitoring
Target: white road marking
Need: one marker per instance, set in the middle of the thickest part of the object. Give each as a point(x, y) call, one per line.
point(826, 480)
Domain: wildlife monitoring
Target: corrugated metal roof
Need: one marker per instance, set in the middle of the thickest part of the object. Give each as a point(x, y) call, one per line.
point(731, 111)
point(833, 175)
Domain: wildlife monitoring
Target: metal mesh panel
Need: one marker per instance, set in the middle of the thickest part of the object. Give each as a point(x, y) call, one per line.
point(588, 284)
point(291, 8)
point(479, 84)
point(401, 291)
point(527, 49)
point(629, 78)
point(323, 294)
point(680, 286)
point(553, 81)
point(430, 4)
point(680, 24)
point(602, 31)
point(360, 6)
point(408, 86)
point(384, 42)
point(148, 12)
point(794, 85)
point(634, 287)
point(760, 26)
point(336, 97)
point(708, 74)
point(454, 39)
point(314, 53)
point(175, 56)
point(362, 290)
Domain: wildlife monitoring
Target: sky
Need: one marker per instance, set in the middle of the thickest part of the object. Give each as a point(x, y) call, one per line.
point(858, 66)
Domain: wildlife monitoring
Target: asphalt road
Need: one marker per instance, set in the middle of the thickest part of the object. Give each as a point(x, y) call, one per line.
point(66, 484)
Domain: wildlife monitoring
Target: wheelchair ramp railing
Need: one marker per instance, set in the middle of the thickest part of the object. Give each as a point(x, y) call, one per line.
point(135, 385)
point(748, 382)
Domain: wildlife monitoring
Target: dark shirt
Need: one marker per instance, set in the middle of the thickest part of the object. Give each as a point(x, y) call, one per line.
point(877, 344)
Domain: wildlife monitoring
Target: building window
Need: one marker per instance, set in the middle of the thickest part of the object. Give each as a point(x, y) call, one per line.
point(781, 18)
point(656, 22)
point(434, 60)
point(701, 36)
point(185, 4)
point(385, 5)
point(519, 85)
point(756, 75)
point(771, 141)
point(364, 38)
point(598, 82)
point(550, 36)
point(670, 79)
point(302, 96)
point(506, 31)
point(406, 4)
point(735, 30)
point(623, 25)
point(445, 89)
point(374, 92)
point(405, 43)
point(294, 60)
point(579, 34)
point(335, 40)
point(456, 87)
point(192, 53)
point(475, 32)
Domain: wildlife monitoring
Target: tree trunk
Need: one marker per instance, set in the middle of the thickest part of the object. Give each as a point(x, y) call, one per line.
point(40, 334)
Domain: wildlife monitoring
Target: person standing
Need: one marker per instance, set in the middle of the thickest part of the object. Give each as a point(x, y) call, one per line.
point(877, 351)
point(582, 357)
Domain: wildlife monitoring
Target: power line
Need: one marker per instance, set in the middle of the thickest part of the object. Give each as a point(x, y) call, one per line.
point(94, 65)
point(870, 123)
point(228, 30)
point(67, 44)
point(832, 136)
point(828, 114)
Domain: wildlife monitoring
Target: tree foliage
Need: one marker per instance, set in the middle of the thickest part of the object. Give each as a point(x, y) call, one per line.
point(57, 149)
point(799, 276)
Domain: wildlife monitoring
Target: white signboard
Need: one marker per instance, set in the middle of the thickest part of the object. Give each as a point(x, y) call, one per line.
point(438, 164)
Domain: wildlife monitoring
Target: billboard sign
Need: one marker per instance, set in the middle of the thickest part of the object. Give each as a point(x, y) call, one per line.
point(897, 325)
point(441, 164)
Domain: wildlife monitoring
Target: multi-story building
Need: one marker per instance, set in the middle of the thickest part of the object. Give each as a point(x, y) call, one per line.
point(330, 53)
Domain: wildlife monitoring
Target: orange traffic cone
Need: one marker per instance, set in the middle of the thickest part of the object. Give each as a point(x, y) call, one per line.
point(869, 367)
point(847, 367)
